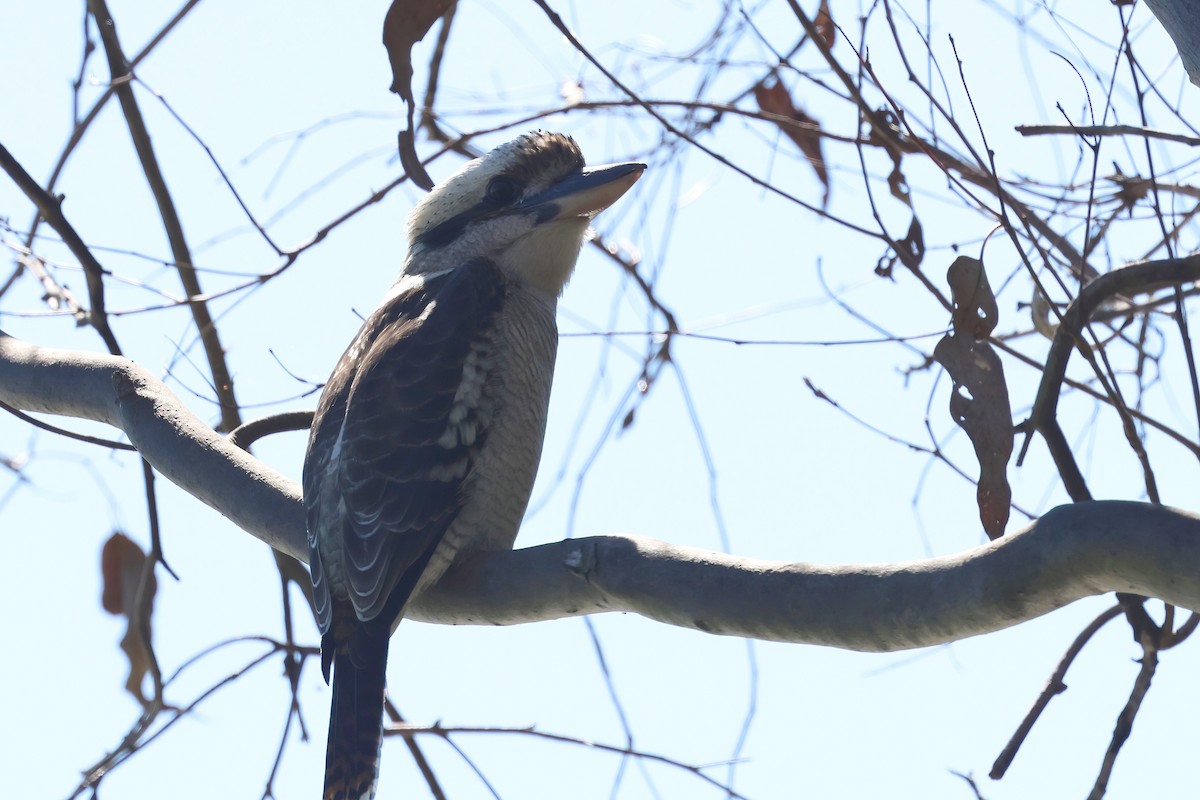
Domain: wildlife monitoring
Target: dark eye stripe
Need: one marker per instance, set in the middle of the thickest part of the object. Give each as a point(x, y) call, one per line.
point(446, 232)
point(502, 191)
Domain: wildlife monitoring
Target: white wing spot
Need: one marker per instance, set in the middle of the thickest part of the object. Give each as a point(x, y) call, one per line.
point(463, 422)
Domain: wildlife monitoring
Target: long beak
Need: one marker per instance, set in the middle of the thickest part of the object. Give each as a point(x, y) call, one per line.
point(584, 194)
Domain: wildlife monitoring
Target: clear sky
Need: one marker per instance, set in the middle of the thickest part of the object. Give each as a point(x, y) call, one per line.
point(728, 448)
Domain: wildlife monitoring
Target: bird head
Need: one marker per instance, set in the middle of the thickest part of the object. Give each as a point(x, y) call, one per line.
point(525, 205)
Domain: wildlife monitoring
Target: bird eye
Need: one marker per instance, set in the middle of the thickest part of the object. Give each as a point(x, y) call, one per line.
point(503, 190)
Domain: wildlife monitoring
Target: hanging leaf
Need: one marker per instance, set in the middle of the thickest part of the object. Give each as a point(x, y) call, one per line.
point(121, 566)
point(798, 126)
point(406, 23)
point(407, 147)
point(913, 244)
point(824, 25)
point(975, 311)
point(884, 131)
point(979, 402)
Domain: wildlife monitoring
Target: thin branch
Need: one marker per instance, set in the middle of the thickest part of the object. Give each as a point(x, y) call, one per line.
point(122, 74)
point(558, 23)
point(82, 125)
point(50, 209)
point(1129, 280)
point(1107, 130)
point(1054, 687)
point(80, 437)
point(250, 432)
point(1125, 719)
point(446, 731)
point(435, 786)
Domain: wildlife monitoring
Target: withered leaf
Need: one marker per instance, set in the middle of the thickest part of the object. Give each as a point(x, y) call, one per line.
point(885, 132)
point(802, 129)
point(1039, 312)
point(121, 566)
point(121, 563)
point(885, 267)
point(979, 402)
point(979, 405)
point(406, 23)
point(897, 183)
point(913, 244)
point(824, 25)
point(1131, 189)
point(407, 147)
point(975, 310)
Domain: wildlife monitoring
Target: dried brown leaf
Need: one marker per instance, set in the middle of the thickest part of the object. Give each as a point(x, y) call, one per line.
point(913, 243)
point(1131, 189)
point(885, 132)
point(406, 23)
point(979, 401)
point(824, 25)
point(121, 563)
point(802, 129)
point(407, 148)
point(975, 310)
point(121, 566)
point(897, 183)
point(979, 405)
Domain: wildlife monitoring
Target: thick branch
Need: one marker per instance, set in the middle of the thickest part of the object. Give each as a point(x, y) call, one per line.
point(1179, 18)
point(175, 442)
point(1072, 552)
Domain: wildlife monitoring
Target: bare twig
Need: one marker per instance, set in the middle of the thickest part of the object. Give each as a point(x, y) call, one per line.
point(82, 125)
point(81, 437)
point(431, 781)
point(250, 432)
point(1107, 130)
point(121, 73)
point(1125, 719)
point(1054, 687)
point(50, 209)
point(447, 731)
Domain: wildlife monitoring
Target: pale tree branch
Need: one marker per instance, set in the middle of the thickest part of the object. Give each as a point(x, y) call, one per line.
point(1072, 552)
point(1178, 17)
point(183, 449)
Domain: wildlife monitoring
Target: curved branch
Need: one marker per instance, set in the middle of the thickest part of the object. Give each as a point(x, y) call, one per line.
point(1072, 552)
point(1131, 279)
point(183, 449)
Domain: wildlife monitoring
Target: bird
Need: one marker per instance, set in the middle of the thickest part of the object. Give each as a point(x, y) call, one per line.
point(427, 436)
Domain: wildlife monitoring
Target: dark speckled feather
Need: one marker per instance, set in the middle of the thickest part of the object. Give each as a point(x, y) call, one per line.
point(393, 442)
point(384, 439)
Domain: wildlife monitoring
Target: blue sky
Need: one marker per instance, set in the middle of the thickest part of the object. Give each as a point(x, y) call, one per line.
point(791, 478)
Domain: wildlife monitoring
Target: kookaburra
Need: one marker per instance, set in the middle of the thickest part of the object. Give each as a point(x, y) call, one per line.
point(428, 434)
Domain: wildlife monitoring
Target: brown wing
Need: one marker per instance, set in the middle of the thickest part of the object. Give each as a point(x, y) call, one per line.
point(395, 435)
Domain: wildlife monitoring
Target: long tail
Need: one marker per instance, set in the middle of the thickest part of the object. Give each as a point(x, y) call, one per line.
point(356, 720)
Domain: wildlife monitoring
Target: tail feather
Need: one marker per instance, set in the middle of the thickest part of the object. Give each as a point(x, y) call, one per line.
point(356, 720)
